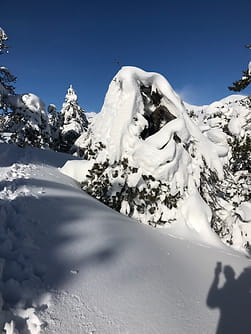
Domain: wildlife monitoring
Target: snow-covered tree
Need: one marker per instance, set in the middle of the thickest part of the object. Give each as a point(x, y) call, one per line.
point(6, 78)
point(54, 124)
point(73, 121)
point(3, 39)
point(27, 124)
point(25, 121)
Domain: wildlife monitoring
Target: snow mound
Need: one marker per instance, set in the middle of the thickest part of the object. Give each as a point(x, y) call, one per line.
point(69, 264)
point(144, 120)
point(150, 154)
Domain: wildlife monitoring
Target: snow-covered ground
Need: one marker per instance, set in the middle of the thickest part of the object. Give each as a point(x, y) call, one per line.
point(69, 264)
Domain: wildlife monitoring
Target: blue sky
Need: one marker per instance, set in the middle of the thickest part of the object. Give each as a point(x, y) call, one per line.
point(197, 45)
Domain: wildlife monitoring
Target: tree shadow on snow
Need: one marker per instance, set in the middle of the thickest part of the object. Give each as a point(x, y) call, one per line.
point(233, 300)
point(47, 240)
point(11, 153)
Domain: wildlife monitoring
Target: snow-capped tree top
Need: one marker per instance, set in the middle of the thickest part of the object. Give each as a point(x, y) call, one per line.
point(73, 120)
point(3, 38)
point(71, 96)
point(29, 105)
point(6, 78)
point(33, 102)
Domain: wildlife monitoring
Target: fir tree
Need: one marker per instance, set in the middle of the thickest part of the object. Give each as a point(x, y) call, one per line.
point(54, 124)
point(6, 78)
point(73, 121)
point(24, 121)
point(3, 38)
point(27, 124)
point(244, 81)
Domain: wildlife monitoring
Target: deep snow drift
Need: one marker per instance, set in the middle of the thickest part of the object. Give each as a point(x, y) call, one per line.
point(71, 265)
point(162, 162)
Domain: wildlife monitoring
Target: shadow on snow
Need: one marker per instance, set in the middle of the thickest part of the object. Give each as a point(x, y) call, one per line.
point(46, 239)
point(233, 300)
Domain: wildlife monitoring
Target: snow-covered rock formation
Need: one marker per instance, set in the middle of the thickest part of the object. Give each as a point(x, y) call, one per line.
point(148, 157)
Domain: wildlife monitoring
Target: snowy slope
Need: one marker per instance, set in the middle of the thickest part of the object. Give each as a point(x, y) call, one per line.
point(71, 265)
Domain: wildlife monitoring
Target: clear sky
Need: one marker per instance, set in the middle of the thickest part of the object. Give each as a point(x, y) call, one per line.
point(197, 45)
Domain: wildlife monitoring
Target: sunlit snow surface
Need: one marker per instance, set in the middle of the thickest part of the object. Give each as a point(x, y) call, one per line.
point(71, 265)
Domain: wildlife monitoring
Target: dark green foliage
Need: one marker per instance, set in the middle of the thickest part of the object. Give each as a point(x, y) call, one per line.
point(91, 151)
point(156, 114)
point(241, 154)
point(110, 184)
point(20, 130)
point(7, 80)
point(242, 83)
point(73, 122)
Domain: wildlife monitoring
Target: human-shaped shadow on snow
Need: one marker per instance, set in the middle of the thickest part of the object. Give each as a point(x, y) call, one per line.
point(233, 300)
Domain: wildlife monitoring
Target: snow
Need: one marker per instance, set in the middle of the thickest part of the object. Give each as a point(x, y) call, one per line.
point(200, 213)
point(90, 116)
point(71, 265)
point(174, 151)
point(76, 169)
point(122, 119)
point(244, 211)
point(236, 124)
point(29, 101)
point(73, 120)
point(71, 96)
point(122, 102)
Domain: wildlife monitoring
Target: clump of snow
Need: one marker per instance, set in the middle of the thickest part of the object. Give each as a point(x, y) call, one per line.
point(236, 124)
point(77, 169)
point(244, 211)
